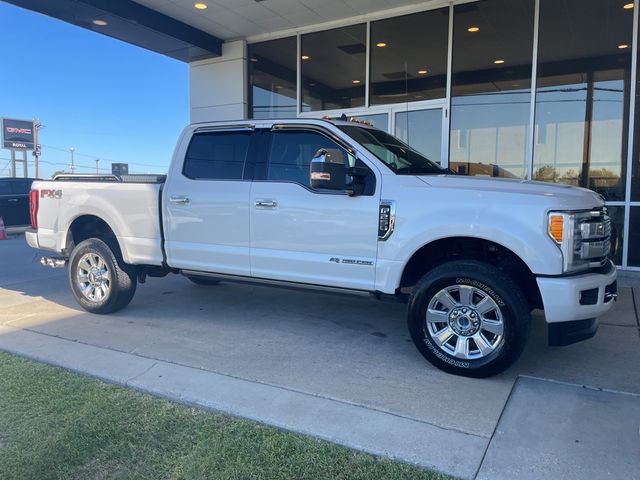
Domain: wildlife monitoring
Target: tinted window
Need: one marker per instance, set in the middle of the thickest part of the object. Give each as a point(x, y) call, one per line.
point(402, 68)
point(21, 187)
point(5, 188)
point(584, 70)
point(272, 78)
point(491, 87)
point(291, 153)
point(333, 68)
point(217, 155)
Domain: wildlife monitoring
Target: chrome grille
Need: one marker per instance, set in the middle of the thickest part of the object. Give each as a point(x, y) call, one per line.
point(595, 233)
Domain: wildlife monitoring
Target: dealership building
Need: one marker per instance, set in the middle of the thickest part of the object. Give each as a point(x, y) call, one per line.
point(525, 89)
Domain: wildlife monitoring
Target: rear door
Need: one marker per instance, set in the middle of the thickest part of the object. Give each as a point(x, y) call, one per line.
point(303, 235)
point(206, 204)
point(20, 190)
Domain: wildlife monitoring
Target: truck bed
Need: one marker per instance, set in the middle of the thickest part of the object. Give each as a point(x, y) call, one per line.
point(128, 204)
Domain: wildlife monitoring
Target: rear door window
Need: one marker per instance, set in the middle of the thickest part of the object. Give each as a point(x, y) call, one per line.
point(21, 187)
point(217, 155)
point(5, 188)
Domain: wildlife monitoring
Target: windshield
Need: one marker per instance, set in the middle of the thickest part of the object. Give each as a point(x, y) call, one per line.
point(396, 155)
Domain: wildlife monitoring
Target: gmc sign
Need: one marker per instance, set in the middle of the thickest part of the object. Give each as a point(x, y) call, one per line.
point(17, 134)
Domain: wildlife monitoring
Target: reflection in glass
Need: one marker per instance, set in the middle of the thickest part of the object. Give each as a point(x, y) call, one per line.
point(422, 129)
point(583, 94)
point(635, 164)
point(491, 88)
point(272, 78)
point(333, 68)
point(402, 69)
point(378, 120)
point(617, 233)
point(634, 237)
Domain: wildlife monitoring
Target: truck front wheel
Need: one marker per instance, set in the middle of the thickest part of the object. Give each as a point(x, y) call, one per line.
point(100, 280)
point(469, 318)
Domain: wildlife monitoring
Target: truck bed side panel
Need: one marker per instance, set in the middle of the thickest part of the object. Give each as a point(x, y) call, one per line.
point(130, 209)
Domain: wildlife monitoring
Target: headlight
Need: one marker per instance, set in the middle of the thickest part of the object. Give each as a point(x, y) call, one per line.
point(583, 237)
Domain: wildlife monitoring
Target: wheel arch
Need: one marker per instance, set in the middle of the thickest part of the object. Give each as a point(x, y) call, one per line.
point(88, 226)
point(447, 249)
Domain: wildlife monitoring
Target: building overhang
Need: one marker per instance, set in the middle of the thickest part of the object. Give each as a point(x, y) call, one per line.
point(132, 23)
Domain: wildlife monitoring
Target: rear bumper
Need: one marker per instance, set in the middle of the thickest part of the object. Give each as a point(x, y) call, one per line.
point(31, 235)
point(578, 297)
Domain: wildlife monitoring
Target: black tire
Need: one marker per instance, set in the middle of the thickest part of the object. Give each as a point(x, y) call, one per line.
point(121, 284)
point(479, 280)
point(203, 282)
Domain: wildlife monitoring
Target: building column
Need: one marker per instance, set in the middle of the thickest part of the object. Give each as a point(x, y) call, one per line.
point(217, 86)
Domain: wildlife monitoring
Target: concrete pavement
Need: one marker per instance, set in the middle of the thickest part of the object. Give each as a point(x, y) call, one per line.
point(340, 368)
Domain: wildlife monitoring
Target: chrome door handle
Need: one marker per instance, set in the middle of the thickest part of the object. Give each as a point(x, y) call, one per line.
point(179, 200)
point(266, 204)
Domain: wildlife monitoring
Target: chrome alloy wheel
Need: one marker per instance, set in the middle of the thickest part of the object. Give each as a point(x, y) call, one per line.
point(465, 322)
point(94, 278)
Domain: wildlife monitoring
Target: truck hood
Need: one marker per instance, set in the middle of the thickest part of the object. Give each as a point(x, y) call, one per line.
point(561, 196)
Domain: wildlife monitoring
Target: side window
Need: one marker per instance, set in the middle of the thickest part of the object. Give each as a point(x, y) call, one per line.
point(291, 153)
point(21, 187)
point(217, 155)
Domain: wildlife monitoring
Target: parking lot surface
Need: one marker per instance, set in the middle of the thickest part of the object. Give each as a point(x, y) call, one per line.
point(339, 350)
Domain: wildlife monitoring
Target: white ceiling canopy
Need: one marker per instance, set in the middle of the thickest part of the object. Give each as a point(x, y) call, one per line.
point(234, 19)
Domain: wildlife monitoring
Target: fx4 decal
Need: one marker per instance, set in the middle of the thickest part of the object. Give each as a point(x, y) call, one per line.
point(50, 193)
point(350, 261)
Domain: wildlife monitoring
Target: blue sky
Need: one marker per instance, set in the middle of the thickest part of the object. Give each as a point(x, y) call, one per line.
point(106, 98)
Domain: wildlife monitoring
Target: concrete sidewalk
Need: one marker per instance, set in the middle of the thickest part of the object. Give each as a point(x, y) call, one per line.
point(342, 369)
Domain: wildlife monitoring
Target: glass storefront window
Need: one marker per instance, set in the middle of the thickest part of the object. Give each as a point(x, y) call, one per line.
point(635, 164)
point(272, 78)
point(378, 120)
point(402, 69)
point(634, 237)
point(422, 129)
point(617, 233)
point(333, 64)
point(491, 87)
point(584, 65)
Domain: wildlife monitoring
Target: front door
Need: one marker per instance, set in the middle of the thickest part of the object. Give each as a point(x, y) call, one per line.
point(207, 205)
point(303, 235)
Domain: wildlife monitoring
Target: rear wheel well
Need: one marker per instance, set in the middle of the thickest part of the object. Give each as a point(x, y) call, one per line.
point(90, 226)
point(469, 248)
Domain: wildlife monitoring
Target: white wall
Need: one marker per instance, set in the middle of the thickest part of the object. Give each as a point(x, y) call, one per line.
point(217, 86)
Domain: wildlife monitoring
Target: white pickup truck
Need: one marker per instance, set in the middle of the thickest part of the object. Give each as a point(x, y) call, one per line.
point(341, 206)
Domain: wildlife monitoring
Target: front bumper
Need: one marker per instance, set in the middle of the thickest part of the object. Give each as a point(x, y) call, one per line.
point(578, 297)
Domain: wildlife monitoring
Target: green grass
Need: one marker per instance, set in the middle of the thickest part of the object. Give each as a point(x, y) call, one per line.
point(57, 424)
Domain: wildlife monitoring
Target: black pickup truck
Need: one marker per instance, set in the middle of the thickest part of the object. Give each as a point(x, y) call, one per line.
point(14, 201)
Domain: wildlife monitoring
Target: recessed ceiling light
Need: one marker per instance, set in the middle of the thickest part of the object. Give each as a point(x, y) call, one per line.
point(381, 44)
point(254, 59)
point(99, 22)
point(624, 45)
point(355, 82)
point(628, 6)
point(305, 57)
point(200, 6)
point(473, 29)
point(498, 61)
point(422, 72)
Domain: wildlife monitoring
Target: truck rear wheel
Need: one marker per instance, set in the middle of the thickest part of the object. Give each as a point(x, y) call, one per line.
point(100, 280)
point(469, 318)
